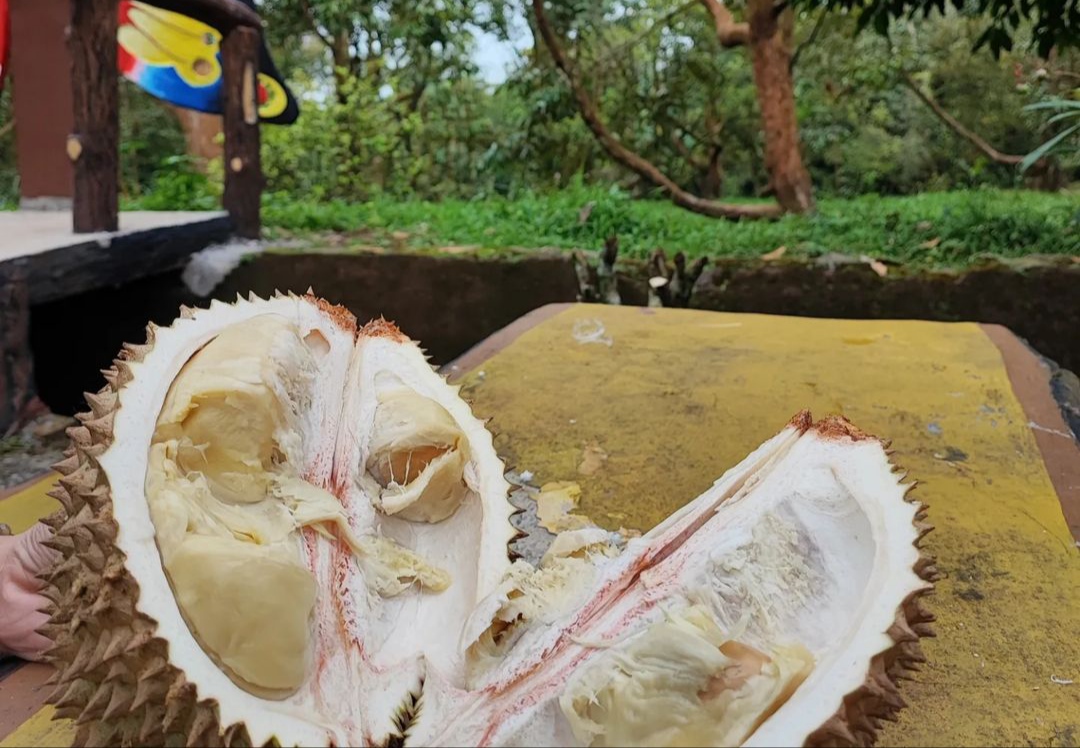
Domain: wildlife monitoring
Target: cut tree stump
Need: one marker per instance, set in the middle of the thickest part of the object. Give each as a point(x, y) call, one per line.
point(599, 284)
point(672, 286)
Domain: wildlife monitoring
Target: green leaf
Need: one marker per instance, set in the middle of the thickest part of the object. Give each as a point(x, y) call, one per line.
point(1062, 116)
point(1053, 104)
point(1046, 147)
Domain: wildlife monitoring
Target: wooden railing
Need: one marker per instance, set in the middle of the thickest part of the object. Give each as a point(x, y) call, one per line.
point(94, 145)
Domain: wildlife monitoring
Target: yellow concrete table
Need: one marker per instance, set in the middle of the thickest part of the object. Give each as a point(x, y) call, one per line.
point(645, 408)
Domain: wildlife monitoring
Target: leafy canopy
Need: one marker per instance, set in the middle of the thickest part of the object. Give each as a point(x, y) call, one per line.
point(1054, 23)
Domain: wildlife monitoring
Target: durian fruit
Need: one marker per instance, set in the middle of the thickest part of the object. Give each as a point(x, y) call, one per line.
point(280, 528)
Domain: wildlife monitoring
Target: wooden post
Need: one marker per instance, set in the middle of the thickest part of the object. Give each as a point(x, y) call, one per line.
point(94, 146)
point(243, 169)
point(16, 361)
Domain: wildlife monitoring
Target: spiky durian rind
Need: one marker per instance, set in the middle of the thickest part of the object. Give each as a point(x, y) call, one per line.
point(113, 675)
point(858, 721)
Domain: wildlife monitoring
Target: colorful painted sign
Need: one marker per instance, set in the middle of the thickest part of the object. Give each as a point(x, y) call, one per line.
point(177, 58)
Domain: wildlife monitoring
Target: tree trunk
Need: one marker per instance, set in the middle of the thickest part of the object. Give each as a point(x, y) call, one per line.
point(343, 64)
point(770, 53)
point(712, 184)
point(628, 158)
point(94, 146)
point(201, 134)
point(243, 168)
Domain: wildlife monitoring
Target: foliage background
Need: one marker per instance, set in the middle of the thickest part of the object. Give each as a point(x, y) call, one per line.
point(394, 108)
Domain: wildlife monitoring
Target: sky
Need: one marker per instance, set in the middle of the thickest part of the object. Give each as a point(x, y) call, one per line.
point(493, 56)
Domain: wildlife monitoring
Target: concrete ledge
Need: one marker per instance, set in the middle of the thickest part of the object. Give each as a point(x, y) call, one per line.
point(59, 263)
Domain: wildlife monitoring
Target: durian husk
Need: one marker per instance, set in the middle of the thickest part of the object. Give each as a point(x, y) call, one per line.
point(859, 719)
point(113, 676)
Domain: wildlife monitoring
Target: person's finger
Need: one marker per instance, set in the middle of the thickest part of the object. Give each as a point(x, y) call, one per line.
point(23, 558)
point(32, 553)
point(20, 619)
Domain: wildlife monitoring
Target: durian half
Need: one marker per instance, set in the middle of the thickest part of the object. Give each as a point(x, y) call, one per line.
point(280, 528)
point(268, 513)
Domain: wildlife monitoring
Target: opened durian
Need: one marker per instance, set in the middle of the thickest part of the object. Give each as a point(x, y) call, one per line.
point(278, 528)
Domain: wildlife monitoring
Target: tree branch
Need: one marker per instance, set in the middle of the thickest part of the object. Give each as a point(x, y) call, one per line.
point(683, 150)
point(730, 33)
point(810, 39)
point(310, 14)
point(8, 127)
point(954, 124)
point(624, 155)
point(615, 56)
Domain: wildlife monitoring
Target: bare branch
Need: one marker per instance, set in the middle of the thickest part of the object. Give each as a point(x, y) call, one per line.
point(992, 153)
point(730, 33)
point(624, 155)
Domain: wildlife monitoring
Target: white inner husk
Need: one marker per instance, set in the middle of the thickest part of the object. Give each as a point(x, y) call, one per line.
point(334, 524)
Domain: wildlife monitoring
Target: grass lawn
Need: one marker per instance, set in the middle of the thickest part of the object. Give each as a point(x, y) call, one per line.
point(947, 229)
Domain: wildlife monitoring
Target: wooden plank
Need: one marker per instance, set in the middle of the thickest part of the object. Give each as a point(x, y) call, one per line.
point(122, 258)
point(25, 505)
point(1029, 374)
point(1030, 377)
point(22, 694)
point(495, 342)
point(41, 731)
point(94, 147)
point(8, 493)
point(243, 170)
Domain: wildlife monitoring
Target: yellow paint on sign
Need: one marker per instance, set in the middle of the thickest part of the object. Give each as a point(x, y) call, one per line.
point(680, 396)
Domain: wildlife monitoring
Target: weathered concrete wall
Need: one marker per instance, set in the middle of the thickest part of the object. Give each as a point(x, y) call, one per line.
point(447, 303)
point(452, 302)
point(1040, 303)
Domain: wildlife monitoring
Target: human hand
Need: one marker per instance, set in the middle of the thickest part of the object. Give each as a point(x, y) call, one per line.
point(22, 558)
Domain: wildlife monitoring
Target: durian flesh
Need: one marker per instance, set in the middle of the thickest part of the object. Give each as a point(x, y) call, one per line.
point(227, 500)
point(314, 527)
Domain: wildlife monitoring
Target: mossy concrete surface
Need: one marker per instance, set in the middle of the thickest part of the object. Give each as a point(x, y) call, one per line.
point(673, 398)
